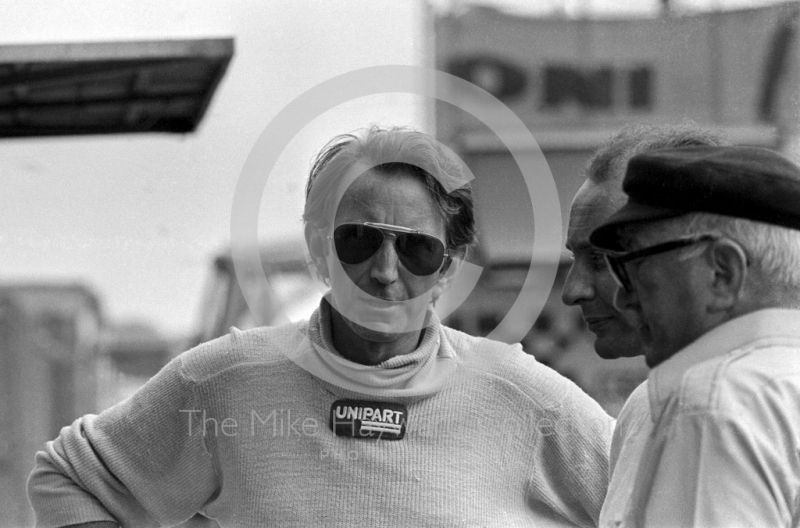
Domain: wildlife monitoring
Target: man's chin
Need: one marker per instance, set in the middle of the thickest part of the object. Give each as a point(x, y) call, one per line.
point(611, 346)
point(654, 358)
point(376, 331)
point(656, 351)
point(658, 354)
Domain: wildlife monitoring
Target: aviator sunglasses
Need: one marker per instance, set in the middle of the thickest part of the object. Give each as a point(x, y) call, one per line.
point(419, 253)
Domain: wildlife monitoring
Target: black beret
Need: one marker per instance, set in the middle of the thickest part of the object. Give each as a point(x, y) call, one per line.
point(744, 182)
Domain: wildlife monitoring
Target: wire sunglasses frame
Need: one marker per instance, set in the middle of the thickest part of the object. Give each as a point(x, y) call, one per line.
point(420, 253)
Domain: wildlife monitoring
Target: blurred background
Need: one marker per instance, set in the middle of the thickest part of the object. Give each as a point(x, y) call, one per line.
point(124, 127)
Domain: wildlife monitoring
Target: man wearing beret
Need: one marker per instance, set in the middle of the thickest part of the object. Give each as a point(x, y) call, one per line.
point(707, 255)
point(590, 285)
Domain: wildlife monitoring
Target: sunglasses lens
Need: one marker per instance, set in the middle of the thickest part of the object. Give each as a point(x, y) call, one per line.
point(420, 254)
point(356, 243)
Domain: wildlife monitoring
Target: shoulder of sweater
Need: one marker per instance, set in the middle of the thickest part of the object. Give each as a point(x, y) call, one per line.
point(510, 366)
point(470, 348)
point(261, 345)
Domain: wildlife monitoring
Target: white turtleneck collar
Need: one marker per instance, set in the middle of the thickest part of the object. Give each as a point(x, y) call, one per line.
point(419, 373)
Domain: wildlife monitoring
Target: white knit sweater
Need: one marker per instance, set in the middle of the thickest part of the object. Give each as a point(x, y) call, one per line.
point(238, 428)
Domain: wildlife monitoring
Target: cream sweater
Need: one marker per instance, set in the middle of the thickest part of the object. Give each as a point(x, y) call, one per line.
point(239, 428)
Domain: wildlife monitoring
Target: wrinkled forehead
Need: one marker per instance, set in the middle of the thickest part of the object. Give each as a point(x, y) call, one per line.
point(365, 177)
point(603, 198)
point(376, 182)
point(401, 198)
point(593, 204)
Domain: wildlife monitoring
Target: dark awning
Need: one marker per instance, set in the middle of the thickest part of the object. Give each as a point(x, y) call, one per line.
point(109, 87)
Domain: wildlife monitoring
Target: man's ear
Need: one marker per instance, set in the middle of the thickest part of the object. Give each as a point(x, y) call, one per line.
point(729, 273)
point(450, 268)
point(318, 245)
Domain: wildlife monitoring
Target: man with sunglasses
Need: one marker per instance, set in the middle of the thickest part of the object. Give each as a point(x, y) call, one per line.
point(590, 286)
point(706, 252)
point(372, 413)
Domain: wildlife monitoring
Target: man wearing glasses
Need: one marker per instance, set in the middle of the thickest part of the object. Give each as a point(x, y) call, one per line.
point(590, 286)
point(706, 253)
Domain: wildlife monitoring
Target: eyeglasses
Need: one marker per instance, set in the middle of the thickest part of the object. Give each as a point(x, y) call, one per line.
point(617, 261)
point(419, 253)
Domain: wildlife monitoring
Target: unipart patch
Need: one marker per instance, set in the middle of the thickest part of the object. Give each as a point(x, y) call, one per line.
point(368, 419)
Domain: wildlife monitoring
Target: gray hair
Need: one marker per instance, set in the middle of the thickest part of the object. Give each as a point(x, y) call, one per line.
point(611, 159)
point(773, 250)
point(392, 151)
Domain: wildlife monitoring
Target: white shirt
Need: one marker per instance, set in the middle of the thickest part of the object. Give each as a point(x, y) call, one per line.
point(631, 435)
point(726, 446)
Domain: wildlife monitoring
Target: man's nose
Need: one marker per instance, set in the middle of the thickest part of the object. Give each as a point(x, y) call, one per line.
point(577, 286)
point(385, 262)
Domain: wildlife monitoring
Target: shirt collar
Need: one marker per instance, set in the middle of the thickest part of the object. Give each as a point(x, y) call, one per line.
point(736, 333)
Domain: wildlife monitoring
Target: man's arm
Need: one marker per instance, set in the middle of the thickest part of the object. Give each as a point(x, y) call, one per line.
point(142, 463)
point(572, 436)
point(575, 457)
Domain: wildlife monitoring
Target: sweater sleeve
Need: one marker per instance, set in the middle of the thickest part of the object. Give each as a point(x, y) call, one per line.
point(570, 437)
point(142, 462)
point(574, 457)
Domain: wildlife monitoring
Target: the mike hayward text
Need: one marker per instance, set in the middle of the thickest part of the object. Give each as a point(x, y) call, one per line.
point(288, 423)
point(279, 422)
